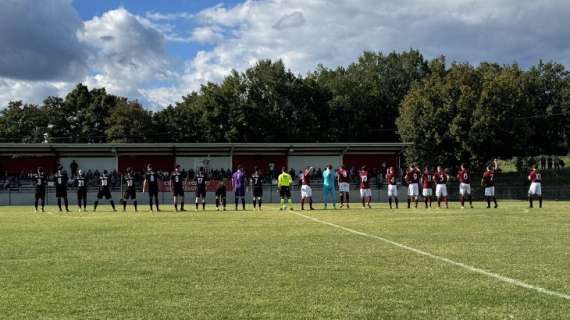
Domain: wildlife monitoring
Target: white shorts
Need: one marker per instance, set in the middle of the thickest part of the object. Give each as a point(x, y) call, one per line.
point(427, 192)
point(441, 190)
point(392, 190)
point(413, 190)
point(344, 187)
point(364, 193)
point(306, 191)
point(490, 192)
point(464, 188)
point(535, 189)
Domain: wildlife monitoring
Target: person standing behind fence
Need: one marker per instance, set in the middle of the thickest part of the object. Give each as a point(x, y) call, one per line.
point(329, 194)
point(238, 182)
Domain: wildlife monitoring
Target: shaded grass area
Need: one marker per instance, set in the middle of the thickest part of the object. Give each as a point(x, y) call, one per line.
point(278, 265)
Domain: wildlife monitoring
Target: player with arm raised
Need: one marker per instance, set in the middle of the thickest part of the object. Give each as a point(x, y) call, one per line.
point(60, 179)
point(427, 186)
point(104, 191)
point(391, 177)
point(40, 181)
point(201, 181)
point(257, 187)
point(81, 190)
point(130, 189)
point(151, 183)
point(365, 191)
point(343, 178)
point(239, 183)
point(177, 187)
point(464, 178)
point(413, 181)
point(306, 190)
point(488, 182)
point(441, 178)
point(284, 183)
point(535, 190)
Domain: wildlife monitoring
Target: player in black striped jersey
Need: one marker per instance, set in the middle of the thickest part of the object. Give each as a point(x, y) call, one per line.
point(130, 189)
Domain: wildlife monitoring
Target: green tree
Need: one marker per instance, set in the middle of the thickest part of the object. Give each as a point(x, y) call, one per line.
point(128, 122)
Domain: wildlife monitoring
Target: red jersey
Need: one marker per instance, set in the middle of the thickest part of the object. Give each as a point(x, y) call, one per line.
point(343, 176)
point(364, 180)
point(391, 178)
point(488, 179)
point(535, 176)
point(440, 177)
point(464, 176)
point(427, 180)
point(306, 179)
point(413, 176)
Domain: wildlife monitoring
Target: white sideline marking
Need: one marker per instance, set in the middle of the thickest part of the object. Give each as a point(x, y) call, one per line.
point(443, 259)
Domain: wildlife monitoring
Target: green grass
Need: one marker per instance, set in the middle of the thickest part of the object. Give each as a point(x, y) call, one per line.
point(282, 266)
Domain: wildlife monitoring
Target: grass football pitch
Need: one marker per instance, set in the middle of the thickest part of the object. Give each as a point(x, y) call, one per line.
point(508, 263)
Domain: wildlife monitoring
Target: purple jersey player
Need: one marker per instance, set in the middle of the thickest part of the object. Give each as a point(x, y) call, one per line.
point(238, 182)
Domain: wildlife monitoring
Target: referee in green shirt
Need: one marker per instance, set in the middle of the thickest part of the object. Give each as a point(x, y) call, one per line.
point(284, 182)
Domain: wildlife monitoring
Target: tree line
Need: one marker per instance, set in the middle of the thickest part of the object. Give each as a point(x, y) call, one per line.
point(451, 113)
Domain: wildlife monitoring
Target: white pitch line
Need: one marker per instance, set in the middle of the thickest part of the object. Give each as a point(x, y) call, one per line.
point(443, 259)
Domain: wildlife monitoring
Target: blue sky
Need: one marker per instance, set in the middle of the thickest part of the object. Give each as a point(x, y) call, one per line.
point(159, 51)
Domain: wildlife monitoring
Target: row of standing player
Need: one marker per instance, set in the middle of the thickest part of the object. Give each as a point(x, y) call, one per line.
point(151, 184)
point(413, 178)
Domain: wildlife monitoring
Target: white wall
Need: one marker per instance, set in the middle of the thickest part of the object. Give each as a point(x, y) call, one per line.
point(90, 163)
point(197, 162)
point(300, 162)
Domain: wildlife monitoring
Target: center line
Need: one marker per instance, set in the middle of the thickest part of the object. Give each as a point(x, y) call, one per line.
point(443, 259)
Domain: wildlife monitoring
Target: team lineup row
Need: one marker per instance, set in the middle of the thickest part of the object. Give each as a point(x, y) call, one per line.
point(414, 178)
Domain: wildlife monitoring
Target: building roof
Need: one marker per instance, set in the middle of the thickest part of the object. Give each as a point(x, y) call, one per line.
point(194, 149)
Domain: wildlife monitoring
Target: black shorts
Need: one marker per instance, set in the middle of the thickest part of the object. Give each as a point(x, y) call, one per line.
point(178, 191)
point(201, 193)
point(285, 192)
point(40, 193)
point(257, 192)
point(153, 191)
point(61, 192)
point(82, 193)
point(104, 192)
point(130, 194)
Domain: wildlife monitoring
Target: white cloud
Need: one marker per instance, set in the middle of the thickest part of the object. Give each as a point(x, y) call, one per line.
point(128, 53)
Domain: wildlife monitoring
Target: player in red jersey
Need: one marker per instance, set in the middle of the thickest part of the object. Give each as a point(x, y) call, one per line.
point(427, 186)
point(535, 190)
point(488, 182)
point(392, 186)
point(464, 178)
point(343, 177)
point(306, 190)
point(365, 191)
point(441, 178)
point(413, 181)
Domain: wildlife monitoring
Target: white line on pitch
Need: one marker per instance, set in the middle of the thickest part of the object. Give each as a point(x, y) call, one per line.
point(443, 259)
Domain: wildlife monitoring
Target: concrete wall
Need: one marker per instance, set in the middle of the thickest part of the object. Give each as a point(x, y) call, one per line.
point(272, 196)
point(197, 162)
point(300, 162)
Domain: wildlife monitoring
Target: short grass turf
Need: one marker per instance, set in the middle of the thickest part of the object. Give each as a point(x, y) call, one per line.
point(275, 265)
